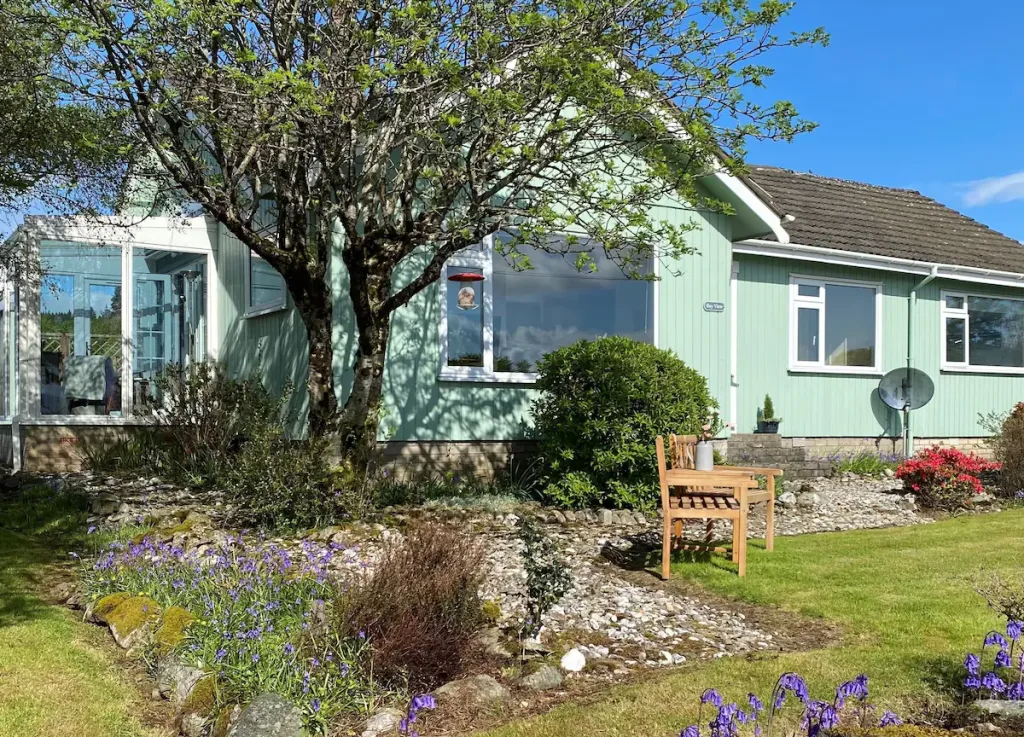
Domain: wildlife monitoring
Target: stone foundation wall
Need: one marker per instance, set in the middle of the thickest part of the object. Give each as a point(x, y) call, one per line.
point(61, 448)
point(485, 459)
point(808, 457)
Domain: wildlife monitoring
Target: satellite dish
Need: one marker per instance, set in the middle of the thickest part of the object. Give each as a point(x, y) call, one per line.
point(905, 389)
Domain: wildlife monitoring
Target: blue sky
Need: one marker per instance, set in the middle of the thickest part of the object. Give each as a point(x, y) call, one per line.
point(923, 94)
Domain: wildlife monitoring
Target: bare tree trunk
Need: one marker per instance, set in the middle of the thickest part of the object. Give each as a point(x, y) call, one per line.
point(313, 300)
point(360, 418)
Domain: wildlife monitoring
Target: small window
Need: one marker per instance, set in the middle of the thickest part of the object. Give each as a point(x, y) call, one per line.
point(265, 287)
point(835, 326)
point(983, 332)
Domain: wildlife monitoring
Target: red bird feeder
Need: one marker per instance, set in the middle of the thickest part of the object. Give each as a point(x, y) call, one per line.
point(466, 276)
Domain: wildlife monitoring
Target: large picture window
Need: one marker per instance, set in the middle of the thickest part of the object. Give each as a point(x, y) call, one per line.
point(835, 326)
point(112, 319)
point(982, 332)
point(498, 321)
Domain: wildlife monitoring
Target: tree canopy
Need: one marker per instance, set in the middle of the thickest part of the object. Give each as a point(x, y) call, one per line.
point(403, 131)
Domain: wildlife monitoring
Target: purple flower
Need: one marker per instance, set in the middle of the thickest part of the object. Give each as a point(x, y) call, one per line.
point(220, 655)
point(1002, 659)
point(711, 696)
point(1015, 692)
point(755, 703)
point(316, 705)
point(255, 657)
point(1013, 629)
point(91, 530)
point(993, 683)
point(289, 648)
point(994, 638)
point(691, 731)
point(889, 720)
point(972, 662)
point(972, 682)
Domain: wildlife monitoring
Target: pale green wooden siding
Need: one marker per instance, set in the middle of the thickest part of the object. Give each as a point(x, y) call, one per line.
point(275, 342)
point(700, 338)
point(830, 405)
point(418, 406)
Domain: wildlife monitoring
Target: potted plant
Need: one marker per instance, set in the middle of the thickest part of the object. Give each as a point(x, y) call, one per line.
point(767, 422)
point(704, 459)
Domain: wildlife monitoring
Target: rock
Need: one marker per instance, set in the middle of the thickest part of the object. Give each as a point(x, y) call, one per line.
point(999, 708)
point(544, 678)
point(383, 722)
point(606, 516)
point(57, 484)
point(573, 661)
point(787, 499)
point(192, 725)
point(808, 500)
point(268, 715)
point(176, 680)
point(105, 505)
point(475, 690)
point(987, 728)
point(131, 622)
point(908, 502)
point(982, 499)
point(889, 473)
point(535, 647)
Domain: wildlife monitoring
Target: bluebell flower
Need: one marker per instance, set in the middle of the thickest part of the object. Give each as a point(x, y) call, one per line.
point(993, 683)
point(711, 696)
point(1002, 658)
point(1015, 692)
point(889, 720)
point(692, 731)
point(289, 648)
point(972, 662)
point(316, 705)
point(829, 718)
point(755, 703)
point(972, 682)
point(1013, 629)
point(220, 655)
point(994, 638)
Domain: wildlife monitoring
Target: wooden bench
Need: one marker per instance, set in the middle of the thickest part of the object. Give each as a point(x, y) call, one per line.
point(682, 452)
point(706, 495)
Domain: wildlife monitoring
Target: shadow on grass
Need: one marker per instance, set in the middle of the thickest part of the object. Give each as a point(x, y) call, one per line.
point(23, 569)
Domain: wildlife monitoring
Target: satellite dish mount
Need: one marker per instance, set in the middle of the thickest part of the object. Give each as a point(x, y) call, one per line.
point(905, 389)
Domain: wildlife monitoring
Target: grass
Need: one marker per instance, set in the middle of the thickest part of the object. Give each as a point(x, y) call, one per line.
point(864, 463)
point(56, 678)
point(903, 597)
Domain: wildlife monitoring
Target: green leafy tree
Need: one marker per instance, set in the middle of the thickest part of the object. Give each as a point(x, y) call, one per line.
point(407, 130)
point(58, 149)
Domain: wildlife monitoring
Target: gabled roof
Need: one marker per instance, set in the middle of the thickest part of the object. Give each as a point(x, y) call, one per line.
point(883, 221)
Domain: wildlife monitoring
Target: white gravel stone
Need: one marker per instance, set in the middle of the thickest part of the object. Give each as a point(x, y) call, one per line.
point(573, 661)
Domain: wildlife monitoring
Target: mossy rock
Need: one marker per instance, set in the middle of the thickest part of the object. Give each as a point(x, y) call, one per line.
point(222, 723)
point(490, 611)
point(202, 699)
point(172, 629)
point(131, 619)
point(103, 608)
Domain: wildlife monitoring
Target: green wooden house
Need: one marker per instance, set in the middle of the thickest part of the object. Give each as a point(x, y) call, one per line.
point(810, 290)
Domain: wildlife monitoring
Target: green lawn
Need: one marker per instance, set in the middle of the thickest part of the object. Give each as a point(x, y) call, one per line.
point(54, 678)
point(903, 596)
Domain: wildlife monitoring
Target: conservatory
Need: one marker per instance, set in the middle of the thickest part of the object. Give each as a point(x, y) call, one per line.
point(92, 318)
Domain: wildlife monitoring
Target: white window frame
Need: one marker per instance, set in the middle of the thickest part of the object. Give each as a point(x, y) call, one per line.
point(482, 257)
point(479, 257)
point(263, 309)
point(963, 314)
point(796, 301)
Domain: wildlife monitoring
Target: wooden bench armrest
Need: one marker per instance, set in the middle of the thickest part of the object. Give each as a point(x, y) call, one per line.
point(688, 477)
point(747, 469)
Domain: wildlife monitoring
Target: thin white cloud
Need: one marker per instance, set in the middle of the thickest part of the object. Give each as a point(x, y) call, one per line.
point(1008, 188)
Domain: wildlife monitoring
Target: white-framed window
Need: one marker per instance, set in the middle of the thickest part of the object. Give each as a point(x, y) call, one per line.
point(497, 322)
point(981, 333)
point(264, 288)
point(835, 326)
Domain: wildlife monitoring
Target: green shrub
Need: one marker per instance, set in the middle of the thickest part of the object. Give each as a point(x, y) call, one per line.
point(275, 482)
point(602, 403)
point(547, 576)
point(1008, 447)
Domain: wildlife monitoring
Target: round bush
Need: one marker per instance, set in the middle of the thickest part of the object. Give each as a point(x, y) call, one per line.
point(602, 403)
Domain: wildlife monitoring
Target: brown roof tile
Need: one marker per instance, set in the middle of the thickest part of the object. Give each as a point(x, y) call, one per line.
point(883, 221)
